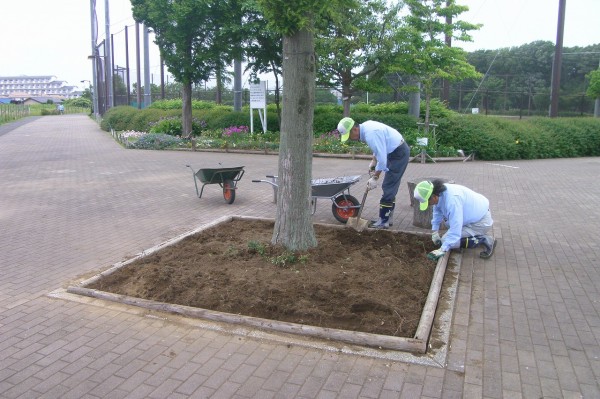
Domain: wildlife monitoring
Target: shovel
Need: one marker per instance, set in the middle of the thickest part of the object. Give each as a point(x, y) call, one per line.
point(357, 223)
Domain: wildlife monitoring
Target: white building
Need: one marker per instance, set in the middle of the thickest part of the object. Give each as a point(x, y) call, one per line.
point(36, 86)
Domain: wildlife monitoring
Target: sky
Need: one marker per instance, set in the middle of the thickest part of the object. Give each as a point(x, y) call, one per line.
point(53, 37)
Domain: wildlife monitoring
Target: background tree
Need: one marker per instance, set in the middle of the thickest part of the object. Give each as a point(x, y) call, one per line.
point(263, 47)
point(354, 48)
point(185, 35)
point(526, 75)
point(425, 54)
point(226, 18)
point(593, 90)
point(295, 21)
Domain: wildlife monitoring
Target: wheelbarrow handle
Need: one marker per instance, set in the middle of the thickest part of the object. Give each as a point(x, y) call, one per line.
point(265, 181)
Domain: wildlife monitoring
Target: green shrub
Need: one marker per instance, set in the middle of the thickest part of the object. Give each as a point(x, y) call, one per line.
point(479, 134)
point(170, 125)
point(79, 102)
point(118, 118)
point(325, 122)
point(156, 141)
point(328, 109)
point(49, 111)
point(491, 138)
point(144, 119)
point(178, 104)
point(232, 118)
point(571, 137)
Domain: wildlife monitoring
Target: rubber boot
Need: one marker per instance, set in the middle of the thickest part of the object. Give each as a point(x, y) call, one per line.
point(489, 243)
point(385, 211)
point(470, 242)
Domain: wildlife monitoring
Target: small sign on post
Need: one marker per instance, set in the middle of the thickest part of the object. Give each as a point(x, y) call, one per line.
point(258, 100)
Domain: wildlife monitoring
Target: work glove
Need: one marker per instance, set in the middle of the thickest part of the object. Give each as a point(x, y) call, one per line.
point(372, 183)
point(435, 255)
point(372, 165)
point(435, 237)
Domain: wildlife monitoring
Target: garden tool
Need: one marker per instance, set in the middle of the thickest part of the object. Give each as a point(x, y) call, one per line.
point(357, 223)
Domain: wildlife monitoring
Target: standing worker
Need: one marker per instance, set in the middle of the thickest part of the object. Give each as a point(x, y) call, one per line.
point(390, 155)
point(465, 212)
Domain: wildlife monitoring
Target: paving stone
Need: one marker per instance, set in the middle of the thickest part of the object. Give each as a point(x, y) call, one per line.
point(75, 202)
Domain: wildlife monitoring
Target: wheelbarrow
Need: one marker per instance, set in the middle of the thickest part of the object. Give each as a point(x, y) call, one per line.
point(227, 178)
point(336, 189)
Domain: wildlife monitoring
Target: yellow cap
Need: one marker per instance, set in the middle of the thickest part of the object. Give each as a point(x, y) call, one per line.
point(344, 127)
point(422, 193)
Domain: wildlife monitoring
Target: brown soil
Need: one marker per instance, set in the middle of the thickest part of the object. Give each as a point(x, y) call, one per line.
point(373, 281)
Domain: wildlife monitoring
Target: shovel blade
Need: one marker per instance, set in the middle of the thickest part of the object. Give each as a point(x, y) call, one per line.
point(357, 224)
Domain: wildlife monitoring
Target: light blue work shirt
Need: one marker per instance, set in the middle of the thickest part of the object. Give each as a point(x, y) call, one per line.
point(457, 206)
point(381, 139)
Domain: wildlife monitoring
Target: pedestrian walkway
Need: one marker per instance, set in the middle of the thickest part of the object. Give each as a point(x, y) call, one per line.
point(73, 202)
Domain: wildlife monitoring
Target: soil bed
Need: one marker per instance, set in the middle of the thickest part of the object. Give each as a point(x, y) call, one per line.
point(372, 281)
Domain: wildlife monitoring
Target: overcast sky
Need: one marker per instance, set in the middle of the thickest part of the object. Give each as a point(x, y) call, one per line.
point(53, 37)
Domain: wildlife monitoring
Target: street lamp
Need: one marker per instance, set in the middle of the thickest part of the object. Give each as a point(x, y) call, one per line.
point(102, 92)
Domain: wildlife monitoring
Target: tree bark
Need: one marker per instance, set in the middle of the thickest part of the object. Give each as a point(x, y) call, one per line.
point(293, 224)
point(186, 119)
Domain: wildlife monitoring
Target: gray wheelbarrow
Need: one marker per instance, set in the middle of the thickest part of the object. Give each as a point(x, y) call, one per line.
point(227, 178)
point(336, 189)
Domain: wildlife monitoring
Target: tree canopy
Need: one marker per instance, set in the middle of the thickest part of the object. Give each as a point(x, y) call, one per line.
point(424, 53)
point(354, 48)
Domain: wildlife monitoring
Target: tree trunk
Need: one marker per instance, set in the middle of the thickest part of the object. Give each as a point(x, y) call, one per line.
point(293, 224)
point(346, 101)
point(186, 119)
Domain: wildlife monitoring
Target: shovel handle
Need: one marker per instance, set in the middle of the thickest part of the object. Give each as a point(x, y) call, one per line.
point(362, 204)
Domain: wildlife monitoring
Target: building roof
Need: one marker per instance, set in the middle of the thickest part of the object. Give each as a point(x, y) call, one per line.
point(44, 100)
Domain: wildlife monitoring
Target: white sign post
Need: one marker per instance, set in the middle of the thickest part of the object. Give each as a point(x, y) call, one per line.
point(258, 100)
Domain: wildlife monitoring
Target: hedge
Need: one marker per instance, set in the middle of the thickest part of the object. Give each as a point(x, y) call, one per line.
point(489, 137)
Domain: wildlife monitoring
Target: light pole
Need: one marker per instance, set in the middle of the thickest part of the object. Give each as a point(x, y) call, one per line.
point(94, 37)
point(96, 101)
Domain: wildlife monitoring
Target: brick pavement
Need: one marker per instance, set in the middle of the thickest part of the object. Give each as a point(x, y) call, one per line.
point(73, 202)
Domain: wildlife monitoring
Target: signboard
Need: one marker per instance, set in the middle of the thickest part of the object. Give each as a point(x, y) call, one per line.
point(258, 100)
point(258, 95)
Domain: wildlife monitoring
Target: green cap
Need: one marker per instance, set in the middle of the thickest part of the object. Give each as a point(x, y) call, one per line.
point(344, 127)
point(422, 193)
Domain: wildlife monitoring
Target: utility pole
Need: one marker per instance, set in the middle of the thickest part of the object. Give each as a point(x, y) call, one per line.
point(237, 84)
point(414, 98)
point(147, 88)
point(162, 78)
point(557, 63)
point(448, 40)
point(128, 83)
point(597, 103)
point(138, 65)
point(108, 59)
point(94, 24)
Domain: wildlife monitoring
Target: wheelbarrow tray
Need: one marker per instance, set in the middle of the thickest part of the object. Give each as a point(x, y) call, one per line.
point(331, 187)
point(219, 175)
point(337, 189)
point(227, 178)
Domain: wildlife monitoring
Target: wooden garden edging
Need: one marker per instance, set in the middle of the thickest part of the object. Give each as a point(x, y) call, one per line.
point(417, 344)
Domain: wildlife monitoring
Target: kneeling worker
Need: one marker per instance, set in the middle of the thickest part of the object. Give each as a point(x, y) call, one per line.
point(465, 212)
